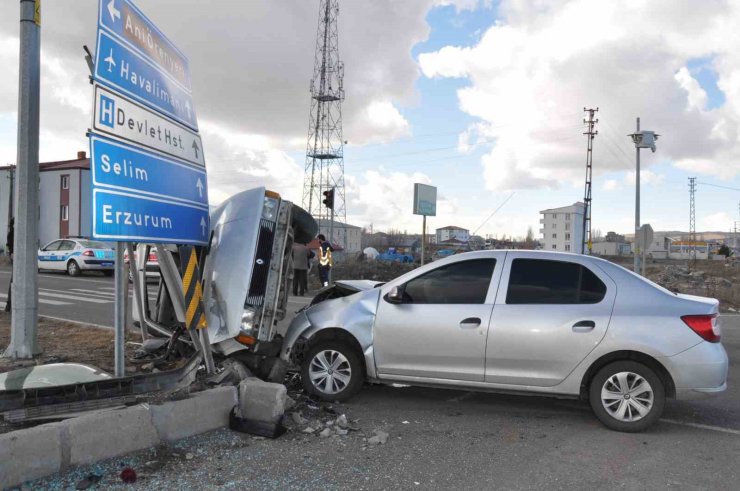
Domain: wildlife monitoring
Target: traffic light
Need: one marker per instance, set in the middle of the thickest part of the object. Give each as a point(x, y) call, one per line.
point(329, 198)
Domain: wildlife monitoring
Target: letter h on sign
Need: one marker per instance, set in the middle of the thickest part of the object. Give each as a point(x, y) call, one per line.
point(107, 109)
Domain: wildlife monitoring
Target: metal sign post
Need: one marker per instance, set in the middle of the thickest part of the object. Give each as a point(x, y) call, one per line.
point(425, 204)
point(121, 294)
point(423, 238)
point(195, 314)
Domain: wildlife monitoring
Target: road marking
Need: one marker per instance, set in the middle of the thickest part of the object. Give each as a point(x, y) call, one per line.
point(702, 427)
point(42, 300)
point(47, 293)
point(72, 321)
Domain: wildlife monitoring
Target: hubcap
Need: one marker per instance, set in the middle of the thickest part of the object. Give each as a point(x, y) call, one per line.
point(329, 371)
point(627, 396)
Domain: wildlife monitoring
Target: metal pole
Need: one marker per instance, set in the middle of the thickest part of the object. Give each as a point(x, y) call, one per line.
point(423, 238)
point(24, 289)
point(331, 233)
point(121, 282)
point(637, 204)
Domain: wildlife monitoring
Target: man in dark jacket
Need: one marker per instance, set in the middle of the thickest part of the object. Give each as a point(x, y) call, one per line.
point(11, 236)
point(301, 257)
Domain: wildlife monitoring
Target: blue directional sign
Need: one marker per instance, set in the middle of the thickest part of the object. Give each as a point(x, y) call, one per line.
point(123, 167)
point(127, 217)
point(148, 171)
point(128, 24)
point(125, 70)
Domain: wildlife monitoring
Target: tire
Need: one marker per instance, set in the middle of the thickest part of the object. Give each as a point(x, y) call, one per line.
point(73, 269)
point(621, 408)
point(347, 361)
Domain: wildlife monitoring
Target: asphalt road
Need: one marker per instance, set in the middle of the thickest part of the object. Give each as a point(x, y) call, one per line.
point(88, 298)
point(462, 440)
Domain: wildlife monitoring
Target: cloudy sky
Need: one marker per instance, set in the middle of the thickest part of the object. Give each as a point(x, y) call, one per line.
point(483, 99)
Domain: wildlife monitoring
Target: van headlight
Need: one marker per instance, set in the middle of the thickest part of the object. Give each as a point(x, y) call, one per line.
point(270, 209)
point(247, 324)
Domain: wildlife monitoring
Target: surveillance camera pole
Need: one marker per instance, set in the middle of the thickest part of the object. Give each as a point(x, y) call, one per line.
point(637, 252)
point(23, 337)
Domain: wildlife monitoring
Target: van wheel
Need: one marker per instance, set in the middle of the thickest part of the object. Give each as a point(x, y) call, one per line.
point(73, 269)
point(332, 371)
point(627, 396)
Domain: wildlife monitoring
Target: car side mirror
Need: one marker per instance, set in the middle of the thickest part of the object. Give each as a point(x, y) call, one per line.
point(395, 295)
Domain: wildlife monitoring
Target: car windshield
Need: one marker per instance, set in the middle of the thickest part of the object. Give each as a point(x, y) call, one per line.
point(91, 244)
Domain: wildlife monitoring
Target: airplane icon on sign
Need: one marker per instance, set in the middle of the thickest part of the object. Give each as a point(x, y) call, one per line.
point(109, 60)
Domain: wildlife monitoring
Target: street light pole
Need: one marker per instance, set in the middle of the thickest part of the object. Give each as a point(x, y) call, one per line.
point(23, 338)
point(637, 252)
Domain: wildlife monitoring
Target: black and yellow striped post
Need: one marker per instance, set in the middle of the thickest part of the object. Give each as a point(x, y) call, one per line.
point(195, 316)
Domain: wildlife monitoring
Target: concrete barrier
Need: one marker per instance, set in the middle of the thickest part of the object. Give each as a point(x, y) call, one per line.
point(206, 411)
point(37, 452)
point(262, 401)
point(30, 454)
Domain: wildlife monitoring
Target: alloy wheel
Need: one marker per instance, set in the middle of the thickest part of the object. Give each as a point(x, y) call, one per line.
point(627, 396)
point(330, 371)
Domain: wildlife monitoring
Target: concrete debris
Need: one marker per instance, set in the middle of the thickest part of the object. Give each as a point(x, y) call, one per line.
point(380, 438)
point(342, 432)
point(298, 419)
point(189, 456)
point(341, 421)
point(308, 430)
point(289, 403)
point(326, 433)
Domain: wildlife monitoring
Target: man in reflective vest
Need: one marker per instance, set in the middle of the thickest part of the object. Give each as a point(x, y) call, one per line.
point(325, 260)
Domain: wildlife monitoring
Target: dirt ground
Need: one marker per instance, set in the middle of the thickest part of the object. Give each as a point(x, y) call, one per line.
point(65, 342)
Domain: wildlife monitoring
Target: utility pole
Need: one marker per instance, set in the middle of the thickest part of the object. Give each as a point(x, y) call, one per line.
point(23, 336)
point(638, 255)
point(11, 177)
point(692, 222)
point(590, 134)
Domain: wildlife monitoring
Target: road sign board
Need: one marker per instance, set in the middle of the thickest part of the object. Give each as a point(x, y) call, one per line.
point(125, 70)
point(129, 24)
point(127, 217)
point(119, 117)
point(120, 166)
point(644, 237)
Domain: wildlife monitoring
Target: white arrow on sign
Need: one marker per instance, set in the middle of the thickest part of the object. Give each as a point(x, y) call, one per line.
point(199, 185)
point(113, 11)
point(203, 226)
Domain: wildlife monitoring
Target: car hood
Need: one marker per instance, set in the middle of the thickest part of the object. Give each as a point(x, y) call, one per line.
point(358, 285)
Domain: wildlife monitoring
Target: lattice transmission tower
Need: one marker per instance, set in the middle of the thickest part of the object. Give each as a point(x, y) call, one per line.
point(590, 134)
point(692, 221)
point(324, 151)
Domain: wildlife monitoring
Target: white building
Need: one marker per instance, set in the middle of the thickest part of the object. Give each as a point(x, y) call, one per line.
point(451, 232)
point(562, 228)
point(64, 199)
point(346, 235)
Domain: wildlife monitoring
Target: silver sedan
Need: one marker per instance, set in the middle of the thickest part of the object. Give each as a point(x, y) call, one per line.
point(529, 322)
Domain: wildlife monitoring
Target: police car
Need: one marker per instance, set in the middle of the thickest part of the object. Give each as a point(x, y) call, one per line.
point(77, 255)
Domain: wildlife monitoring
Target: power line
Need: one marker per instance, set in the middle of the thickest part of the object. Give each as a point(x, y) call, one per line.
point(494, 212)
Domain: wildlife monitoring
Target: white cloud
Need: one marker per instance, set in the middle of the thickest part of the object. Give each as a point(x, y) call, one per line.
point(611, 185)
point(646, 177)
point(532, 71)
point(720, 221)
point(383, 120)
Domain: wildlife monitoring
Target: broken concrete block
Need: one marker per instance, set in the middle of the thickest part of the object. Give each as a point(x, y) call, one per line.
point(298, 419)
point(326, 433)
point(380, 438)
point(262, 401)
point(106, 434)
point(205, 411)
point(29, 454)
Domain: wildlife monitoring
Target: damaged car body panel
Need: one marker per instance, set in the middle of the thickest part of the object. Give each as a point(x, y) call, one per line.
point(355, 313)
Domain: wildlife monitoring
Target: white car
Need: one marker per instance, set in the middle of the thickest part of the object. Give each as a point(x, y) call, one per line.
point(77, 255)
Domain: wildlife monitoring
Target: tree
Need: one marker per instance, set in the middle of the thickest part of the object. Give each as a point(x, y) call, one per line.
point(725, 251)
point(530, 236)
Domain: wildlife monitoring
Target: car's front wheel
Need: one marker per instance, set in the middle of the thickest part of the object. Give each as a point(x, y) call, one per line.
point(73, 269)
point(627, 396)
point(332, 371)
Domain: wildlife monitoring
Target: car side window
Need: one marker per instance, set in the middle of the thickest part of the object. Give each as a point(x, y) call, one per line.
point(53, 246)
point(464, 282)
point(540, 281)
point(67, 245)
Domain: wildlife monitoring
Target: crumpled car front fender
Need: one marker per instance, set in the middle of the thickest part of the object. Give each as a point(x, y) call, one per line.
point(354, 314)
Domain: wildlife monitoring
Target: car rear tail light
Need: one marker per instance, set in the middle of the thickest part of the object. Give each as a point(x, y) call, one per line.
point(88, 253)
point(152, 257)
point(705, 326)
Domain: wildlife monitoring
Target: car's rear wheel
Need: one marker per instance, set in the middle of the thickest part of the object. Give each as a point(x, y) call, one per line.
point(332, 371)
point(627, 396)
point(73, 269)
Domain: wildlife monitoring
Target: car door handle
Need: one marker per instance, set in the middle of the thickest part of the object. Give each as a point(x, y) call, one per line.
point(470, 323)
point(584, 326)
